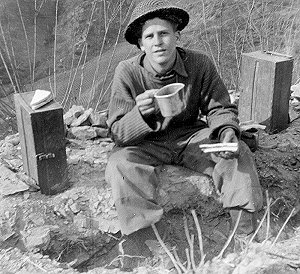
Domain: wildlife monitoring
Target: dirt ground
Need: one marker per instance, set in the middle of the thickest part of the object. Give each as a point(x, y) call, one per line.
point(278, 162)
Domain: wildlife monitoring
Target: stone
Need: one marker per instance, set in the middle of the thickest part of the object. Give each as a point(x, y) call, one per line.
point(84, 117)
point(73, 159)
point(13, 139)
point(73, 113)
point(10, 183)
point(16, 163)
point(295, 91)
point(33, 185)
point(37, 238)
point(74, 208)
point(81, 222)
point(82, 133)
point(6, 231)
point(101, 132)
point(8, 151)
point(98, 119)
point(37, 218)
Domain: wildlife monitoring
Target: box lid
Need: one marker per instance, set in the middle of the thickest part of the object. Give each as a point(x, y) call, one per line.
point(270, 56)
point(27, 97)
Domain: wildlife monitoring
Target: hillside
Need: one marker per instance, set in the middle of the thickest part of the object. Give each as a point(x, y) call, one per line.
point(78, 45)
point(89, 34)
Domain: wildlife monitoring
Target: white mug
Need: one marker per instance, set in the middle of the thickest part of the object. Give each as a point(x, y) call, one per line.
point(170, 99)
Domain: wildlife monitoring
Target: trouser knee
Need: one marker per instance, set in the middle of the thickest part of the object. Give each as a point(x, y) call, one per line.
point(115, 164)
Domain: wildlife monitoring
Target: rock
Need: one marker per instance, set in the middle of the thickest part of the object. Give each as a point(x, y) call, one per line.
point(82, 133)
point(6, 231)
point(73, 113)
point(33, 185)
point(37, 219)
point(74, 208)
point(101, 132)
point(10, 183)
point(16, 163)
point(83, 119)
point(8, 151)
point(13, 139)
point(37, 238)
point(73, 159)
point(81, 222)
point(98, 119)
point(295, 91)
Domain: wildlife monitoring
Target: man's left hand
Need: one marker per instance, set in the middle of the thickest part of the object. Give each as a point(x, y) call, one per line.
point(228, 136)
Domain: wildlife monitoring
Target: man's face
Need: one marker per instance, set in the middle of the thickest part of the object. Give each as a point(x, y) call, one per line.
point(158, 41)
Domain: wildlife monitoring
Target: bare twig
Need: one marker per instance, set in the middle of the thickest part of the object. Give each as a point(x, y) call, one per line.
point(260, 223)
point(268, 215)
point(107, 25)
point(231, 236)
point(14, 84)
point(184, 269)
point(27, 42)
point(108, 87)
point(166, 249)
point(7, 71)
point(6, 251)
point(192, 252)
point(67, 95)
point(36, 265)
point(283, 226)
point(245, 34)
point(187, 253)
point(13, 58)
point(199, 233)
point(54, 48)
point(34, 39)
point(110, 60)
point(190, 242)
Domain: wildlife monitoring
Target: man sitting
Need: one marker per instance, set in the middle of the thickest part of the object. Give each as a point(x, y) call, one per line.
point(145, 139)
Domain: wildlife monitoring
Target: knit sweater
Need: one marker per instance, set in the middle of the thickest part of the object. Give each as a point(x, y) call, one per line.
point(204, 93)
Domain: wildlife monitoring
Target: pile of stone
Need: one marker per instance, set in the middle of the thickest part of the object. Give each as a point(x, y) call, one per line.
point(85, 124)
point(295, 96)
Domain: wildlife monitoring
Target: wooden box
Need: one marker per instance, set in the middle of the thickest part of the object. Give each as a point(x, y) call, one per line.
point(265, 89)
point(43, 145)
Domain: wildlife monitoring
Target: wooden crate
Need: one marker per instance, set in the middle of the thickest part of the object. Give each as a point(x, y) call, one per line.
point(265, 89)
point(43, 145)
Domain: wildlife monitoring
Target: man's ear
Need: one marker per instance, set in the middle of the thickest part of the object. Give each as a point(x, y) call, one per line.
point(141, 45)
point(177, 35)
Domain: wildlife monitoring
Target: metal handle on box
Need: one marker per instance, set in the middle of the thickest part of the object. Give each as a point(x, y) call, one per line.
point(45, 156)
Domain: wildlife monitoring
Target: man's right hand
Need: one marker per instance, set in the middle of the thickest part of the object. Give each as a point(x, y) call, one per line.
point(145, 102)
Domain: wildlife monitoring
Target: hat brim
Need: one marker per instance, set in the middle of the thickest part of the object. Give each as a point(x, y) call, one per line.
point(131, 33)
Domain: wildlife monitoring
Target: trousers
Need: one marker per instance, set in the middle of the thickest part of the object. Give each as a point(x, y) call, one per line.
point(132, 173)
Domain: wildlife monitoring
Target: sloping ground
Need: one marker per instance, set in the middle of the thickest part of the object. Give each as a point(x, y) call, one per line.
point(88, 84)
point(51, 234)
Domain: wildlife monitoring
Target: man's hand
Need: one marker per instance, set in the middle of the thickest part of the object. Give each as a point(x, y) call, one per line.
point(228, 136)
point(145, 102)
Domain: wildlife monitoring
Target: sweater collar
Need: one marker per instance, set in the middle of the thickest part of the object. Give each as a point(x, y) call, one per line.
point(178, 67)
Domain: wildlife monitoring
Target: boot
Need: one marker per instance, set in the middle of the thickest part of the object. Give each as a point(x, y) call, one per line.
point(247, 224)
point(132, 249)
point(245, 229)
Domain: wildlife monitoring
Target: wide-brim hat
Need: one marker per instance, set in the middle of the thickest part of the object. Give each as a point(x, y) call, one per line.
point(149, 9)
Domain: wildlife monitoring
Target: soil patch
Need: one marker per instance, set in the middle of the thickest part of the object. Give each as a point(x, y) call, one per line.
point(68, 230)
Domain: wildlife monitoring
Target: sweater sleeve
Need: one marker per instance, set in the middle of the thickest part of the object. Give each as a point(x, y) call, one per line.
point(216, 105)
point(125, 122)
